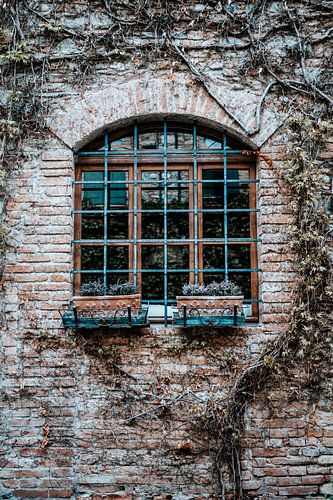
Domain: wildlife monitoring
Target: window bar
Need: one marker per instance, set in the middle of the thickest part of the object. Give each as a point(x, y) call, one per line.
point(105, 247)
point(195, 205)
point(165, 206)
point(225, 204)
point(135, 205)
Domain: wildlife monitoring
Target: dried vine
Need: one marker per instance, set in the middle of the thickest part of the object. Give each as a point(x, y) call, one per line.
point(309, 340)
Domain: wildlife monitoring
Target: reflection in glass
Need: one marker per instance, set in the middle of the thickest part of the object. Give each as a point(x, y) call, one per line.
point(243, 280)
point(153, 286)
point(178, 257)
point(239, 225)
point(213, 256)
point(213, 226)
point(180, 140)
point(152, 257)
point(92, 258)
point(178, 226)
point(175, 284)
point(118, 192)
point(208, 143)
point(212, 193)
point(209, 277)
point(151, 140)
point(239, 256)
point(152, 226)
point(117, 226)
point(122, 144)
point(92, 194)
point(92, 227)
point(88, 278)
point(118, 257)
point(238, 192)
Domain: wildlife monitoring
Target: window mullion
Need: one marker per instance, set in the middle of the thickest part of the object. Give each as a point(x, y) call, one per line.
point(225, 203)
point(195, 207)
point(165, 222)
point(135, 205)
point(105, 211)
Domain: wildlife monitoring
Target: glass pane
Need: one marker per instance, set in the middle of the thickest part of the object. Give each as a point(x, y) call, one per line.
point(213, 225)
point(118, 192)
point(92, 227)
point(178, 193)
point(209, 277)
point(178, 226)
point(92, 194)
point(92, 258)
point(239, 225)
point(213, 256)
point(118, 257)
point(180, 140)
point(151, 140)
point(153, 286)
point(178, 257)
point(152, 257)
point(88, 278)
point(114, 278)
point(243, 280)
point(152, 193)
point(208, 143)
point(212, 193)
point(175, 284)
point(122, 144)
point(152, 226)
point(117, 226)
point(239, 257)
point(238, 193)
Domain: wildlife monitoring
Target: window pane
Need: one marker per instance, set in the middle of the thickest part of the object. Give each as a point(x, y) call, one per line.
point(212, 193)
point(207, 143)
point(117, 226)
point(238, 192)
point(152, 257)
point(92, 194)
point(178, 257)
point(152, 193)
point(213, 256)
point(118, 192)
point(239, 225)
point(118, 257)
point(210, 277)
point(213, 225)
point(180, 140)
point(122, 144)
point(92, 227)
point(178, 193)
point(243, 280)
point(92, 258)
point(178, 226)
point(151, 140)
point(88, 278)
point(153, 286)
point(175, 284)
point(239, 257)
point(152, 226)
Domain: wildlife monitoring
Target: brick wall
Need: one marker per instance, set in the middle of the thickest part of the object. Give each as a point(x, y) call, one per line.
point(78, 425)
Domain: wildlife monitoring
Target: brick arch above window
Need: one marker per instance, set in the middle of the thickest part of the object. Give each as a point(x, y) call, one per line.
point(78, 121)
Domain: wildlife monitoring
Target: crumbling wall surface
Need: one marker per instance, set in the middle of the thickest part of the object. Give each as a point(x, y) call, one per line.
point(120, 415)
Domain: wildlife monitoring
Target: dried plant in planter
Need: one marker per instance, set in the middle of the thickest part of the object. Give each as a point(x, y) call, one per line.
point(95, 295)
point(217, 297)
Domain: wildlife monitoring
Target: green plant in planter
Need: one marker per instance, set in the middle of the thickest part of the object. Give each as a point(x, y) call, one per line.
point(96, 288)
point(214, 289)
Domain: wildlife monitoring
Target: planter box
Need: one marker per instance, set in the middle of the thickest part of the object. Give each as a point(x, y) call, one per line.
point(108, 302)
point(211, 305)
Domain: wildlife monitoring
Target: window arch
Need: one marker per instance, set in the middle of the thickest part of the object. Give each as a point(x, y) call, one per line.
point(164, 203)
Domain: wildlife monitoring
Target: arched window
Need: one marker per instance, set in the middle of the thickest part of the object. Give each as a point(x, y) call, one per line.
point(163, 204)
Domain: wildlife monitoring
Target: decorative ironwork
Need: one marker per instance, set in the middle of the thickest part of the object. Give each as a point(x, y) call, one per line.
point(195, 316)
point(73, 317)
